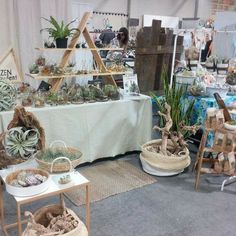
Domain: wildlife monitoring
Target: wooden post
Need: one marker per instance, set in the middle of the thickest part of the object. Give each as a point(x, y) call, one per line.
point(153, 53)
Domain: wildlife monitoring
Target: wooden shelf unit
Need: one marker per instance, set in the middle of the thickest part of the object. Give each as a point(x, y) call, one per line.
point(75, 49)
point(40, 77)
point(56, 81)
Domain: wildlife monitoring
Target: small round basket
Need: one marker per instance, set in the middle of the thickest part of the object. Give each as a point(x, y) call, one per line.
point(27, 191)
point(59, 167)
point(40, 217)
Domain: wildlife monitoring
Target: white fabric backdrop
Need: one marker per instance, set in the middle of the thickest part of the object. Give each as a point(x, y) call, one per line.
point(20, 24)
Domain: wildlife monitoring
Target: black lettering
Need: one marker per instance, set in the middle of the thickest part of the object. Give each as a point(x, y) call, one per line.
point(6, 72)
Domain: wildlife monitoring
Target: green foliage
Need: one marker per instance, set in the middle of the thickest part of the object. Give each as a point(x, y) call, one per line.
point(181, 108)
point(48, 155)
point(59, 30)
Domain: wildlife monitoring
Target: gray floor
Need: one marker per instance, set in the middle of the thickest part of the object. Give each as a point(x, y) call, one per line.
point(169, 207)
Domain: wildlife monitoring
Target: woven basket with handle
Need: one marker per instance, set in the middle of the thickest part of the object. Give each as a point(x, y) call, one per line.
point(59, 166)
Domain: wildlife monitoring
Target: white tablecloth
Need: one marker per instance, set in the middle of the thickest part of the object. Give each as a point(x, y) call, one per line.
point(102, 129)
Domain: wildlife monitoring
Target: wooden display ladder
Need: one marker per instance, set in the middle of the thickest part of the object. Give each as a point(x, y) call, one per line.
point(225, 147)
point(56, 82)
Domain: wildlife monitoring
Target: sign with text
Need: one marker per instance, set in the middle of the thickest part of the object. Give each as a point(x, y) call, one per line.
point(130, 83)
point(9, 67)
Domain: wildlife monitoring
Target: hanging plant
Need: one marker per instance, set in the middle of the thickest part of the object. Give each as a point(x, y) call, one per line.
point(7, 95)
point(21, 142)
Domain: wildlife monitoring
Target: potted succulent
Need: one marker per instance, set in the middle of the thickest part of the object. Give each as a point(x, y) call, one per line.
point(34, 69)
point(59, 31)
point(111, 92)
point(211, 63)
point(40, 61)
point(222, 66)
point(69, 68)
point(169, 155)
point(48, 44)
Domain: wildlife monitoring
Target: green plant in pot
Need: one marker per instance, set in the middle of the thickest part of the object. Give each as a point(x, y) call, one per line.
point(181, 107)
point(59, 31)
point(169, 155)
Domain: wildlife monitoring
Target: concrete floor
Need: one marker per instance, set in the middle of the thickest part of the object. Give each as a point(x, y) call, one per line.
point(170, 207)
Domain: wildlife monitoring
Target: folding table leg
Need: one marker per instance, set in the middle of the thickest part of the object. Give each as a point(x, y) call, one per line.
point(1, 205)
point(19, 219)
point(88, 208)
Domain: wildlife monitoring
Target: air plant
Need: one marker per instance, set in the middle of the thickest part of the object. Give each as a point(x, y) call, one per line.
point(7, 95)
point(21, 142)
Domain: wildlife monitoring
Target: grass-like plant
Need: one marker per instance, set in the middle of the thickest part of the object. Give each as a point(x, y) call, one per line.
point(49, 154)
point(59, 30)
point(181, 107)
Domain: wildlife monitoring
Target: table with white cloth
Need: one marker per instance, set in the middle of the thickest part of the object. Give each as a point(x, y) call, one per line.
point(101, 129)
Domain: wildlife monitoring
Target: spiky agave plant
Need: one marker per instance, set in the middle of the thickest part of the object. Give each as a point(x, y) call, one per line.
point(59, 30)
point(21, 142)
point(181, 107)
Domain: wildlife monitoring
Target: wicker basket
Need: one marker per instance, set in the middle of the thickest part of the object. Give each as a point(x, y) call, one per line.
point(41, 218)
point(167, 163)
point(59, 166)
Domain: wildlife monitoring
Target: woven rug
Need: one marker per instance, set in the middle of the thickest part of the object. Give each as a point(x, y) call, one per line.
point(110, 178)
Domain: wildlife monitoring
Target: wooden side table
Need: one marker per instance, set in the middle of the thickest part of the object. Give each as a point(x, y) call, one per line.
point(225, 147)
point(78, 181)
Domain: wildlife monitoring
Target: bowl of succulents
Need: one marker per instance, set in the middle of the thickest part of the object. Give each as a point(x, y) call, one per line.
point(47, 156)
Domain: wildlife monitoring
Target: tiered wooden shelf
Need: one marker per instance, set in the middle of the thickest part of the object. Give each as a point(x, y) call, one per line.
point(75, 49)
point(40, 77)
point(56, 80)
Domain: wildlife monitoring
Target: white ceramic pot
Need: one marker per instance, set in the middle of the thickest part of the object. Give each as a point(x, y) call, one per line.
point(222, 69)
point(211, 90)
point(185, 79)
point(210, 66)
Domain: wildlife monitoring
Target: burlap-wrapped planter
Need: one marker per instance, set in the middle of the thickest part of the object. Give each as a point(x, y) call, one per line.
point(26, 119)
point(158, 164)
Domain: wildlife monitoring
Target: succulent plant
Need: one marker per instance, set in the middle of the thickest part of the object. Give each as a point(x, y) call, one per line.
point(34, 69)
point(98, 93)
point(21, 142)
point(7, 95)
point(111, 92)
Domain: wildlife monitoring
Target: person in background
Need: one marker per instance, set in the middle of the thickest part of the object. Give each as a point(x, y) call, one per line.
point(121, 41)
point(123, 38)
point(207, 50)
point(106, 36)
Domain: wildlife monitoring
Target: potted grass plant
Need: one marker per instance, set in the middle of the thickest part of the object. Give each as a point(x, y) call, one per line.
point(169, 155)
point(59, 31)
